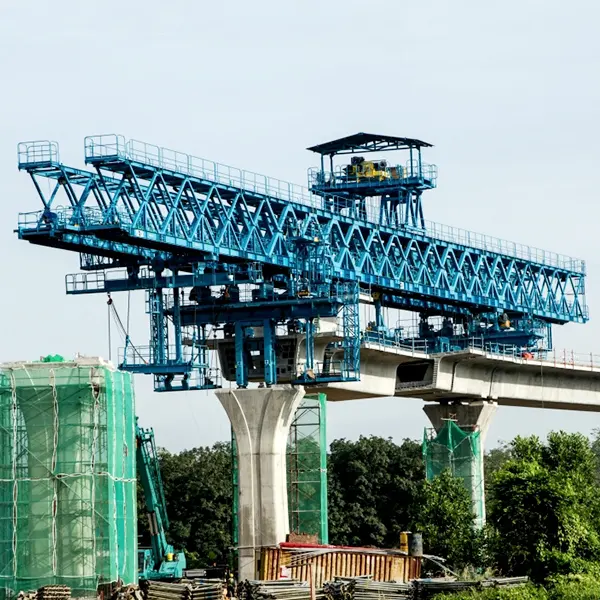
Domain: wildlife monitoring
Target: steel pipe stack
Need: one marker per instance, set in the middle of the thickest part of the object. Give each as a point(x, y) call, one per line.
point(157, 590)
point(428, 588)
point(365, 588)
point(277, 590)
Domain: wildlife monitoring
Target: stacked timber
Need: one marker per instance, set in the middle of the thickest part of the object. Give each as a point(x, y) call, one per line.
point(54, 592)
point(159, 590)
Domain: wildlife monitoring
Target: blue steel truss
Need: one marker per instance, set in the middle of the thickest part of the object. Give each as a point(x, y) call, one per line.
point(142, 205)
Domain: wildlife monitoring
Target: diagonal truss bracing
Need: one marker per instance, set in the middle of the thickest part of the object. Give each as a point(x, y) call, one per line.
point(130, 208)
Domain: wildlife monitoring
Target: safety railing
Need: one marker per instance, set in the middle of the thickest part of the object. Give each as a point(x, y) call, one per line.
point(493, 244)
point(85, 282)
point(37, 153)
point(136, 355)
point(327, 368)
point(557, 358)
point(146, 355)
point(99, 147)
point(30, 220)
point(383, 339)
point(93, 281)
point(102, 146)
point(197, 379)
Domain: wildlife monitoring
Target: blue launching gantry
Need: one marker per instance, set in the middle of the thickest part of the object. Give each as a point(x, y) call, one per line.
point(253, 267)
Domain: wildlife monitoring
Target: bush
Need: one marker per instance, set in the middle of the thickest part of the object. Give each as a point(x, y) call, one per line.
point(574, 587)
point(569, 587)
point(445, 518)
point(526, 592)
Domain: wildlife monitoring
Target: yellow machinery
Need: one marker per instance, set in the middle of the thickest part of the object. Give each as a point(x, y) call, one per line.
point(360, 169)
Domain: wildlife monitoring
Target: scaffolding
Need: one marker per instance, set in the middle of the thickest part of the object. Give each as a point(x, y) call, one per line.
point(307, 469)
point(458, 451)
point(67, 474)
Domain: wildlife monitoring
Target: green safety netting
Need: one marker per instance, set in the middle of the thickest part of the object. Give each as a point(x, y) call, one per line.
point(67, 476)
point(459, 451)
point(307, 469)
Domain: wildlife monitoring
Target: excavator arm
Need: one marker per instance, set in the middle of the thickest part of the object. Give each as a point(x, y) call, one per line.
point(159, 561)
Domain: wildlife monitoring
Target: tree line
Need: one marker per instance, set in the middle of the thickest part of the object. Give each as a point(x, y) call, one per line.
point(542, 498)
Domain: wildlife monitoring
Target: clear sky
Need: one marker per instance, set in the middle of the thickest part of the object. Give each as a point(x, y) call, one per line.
point(508, 92)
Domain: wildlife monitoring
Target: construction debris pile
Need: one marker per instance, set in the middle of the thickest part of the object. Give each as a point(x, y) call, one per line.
point(127, 592)
point(364, 588)
point(185, 590)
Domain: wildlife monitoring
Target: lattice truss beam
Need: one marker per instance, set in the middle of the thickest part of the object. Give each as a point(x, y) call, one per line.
point(133, 210)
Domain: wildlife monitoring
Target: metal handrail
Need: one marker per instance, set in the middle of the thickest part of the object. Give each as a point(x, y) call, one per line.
point(36, 152)
point(556, 358)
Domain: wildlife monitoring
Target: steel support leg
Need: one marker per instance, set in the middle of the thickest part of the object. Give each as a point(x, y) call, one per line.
point(177, 326)
point(310, 347)
point(270, 358)
point(241, 368)
point(157, 323)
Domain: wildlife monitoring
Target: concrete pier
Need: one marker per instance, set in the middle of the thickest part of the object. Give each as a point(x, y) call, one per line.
point(261, 420)
point(470, 417)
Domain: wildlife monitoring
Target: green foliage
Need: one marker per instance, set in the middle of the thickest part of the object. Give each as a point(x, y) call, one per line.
point(526, 592)
point(493, 461)
point(574, 587)
point(199, 495)
point(375, 488)
point(595, 445)
point(544, 509)
point(445, 517)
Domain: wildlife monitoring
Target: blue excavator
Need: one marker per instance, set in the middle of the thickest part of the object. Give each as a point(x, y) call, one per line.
point(159, 562)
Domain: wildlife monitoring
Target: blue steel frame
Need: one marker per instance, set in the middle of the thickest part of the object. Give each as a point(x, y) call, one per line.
point(144, 205)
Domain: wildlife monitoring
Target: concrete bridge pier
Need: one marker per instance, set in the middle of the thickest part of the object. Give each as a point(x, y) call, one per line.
point(470, 417)
point(261, 420)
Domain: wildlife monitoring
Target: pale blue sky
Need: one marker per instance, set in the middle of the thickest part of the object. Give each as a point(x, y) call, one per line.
point(508, 92)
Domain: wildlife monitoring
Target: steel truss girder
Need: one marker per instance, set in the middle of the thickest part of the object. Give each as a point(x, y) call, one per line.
point(132, 209)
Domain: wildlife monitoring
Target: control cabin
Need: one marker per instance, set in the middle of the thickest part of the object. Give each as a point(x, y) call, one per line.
point(361, 176)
